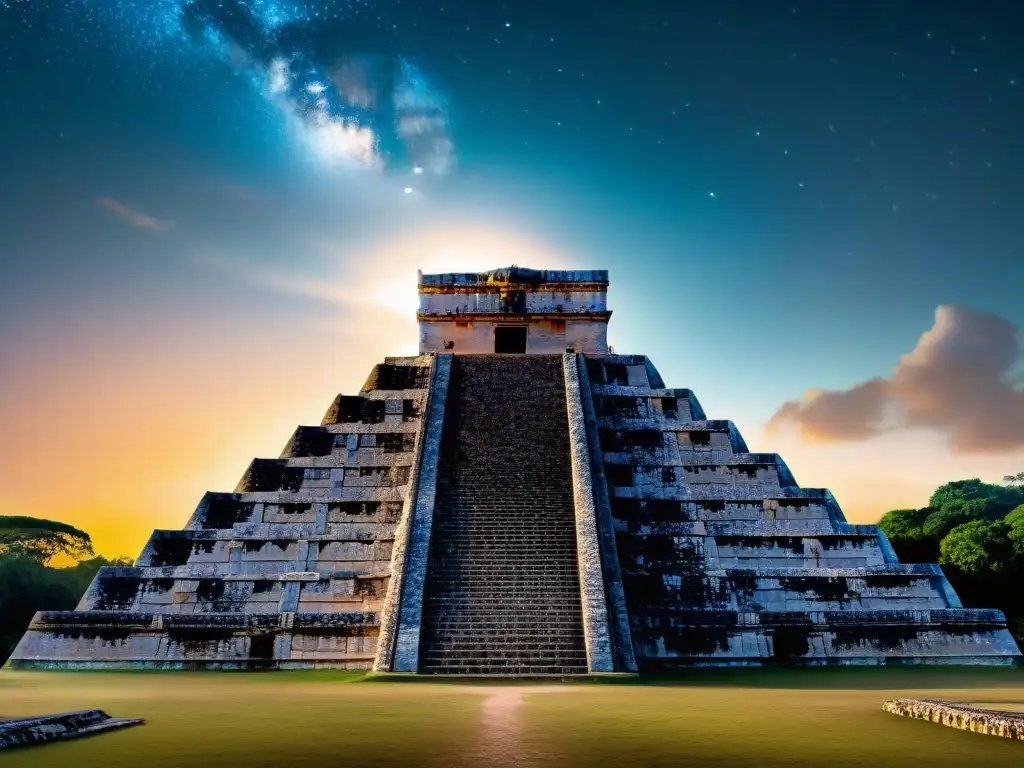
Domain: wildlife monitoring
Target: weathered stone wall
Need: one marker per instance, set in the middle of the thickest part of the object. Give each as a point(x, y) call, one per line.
point(412, 571)
point(469, 336)
point(291, 569)
point(65, 725)
point(993, 722)
point(460, 312)
point(596, 625)
point(618, 614)
point(725, 559)
point(539, 300)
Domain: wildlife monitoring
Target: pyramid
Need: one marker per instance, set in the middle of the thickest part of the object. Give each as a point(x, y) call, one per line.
point(516, 500)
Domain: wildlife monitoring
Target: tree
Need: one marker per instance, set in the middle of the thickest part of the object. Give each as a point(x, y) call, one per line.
point(1014, 480)
point(1015, 522)
point(903, 528)
point(1000, 498)
point(956, 512)
point(977, 547)
point(27, 586)
point(905, 524)
point(40, 540)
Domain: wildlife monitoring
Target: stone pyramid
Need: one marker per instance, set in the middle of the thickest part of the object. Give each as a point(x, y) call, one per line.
point(516, 500)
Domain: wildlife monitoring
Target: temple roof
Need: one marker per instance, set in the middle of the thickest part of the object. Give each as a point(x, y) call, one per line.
point(515, 275)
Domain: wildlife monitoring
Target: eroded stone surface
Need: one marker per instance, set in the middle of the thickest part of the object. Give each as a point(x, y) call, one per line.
point(1009, 725)
point(545, 311)
point(726, 560)
point(66, 725)
point(290, 570)
point(508, 513)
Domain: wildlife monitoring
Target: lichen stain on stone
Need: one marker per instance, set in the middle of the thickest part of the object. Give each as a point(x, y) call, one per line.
point(790, 643)
point(893, 581)
point(170, 549)
point(701, 641)
point(117, 593)
point(794, 544)
point(883, 638)
point(223, 512)
point(824, 587)
point(107, 635)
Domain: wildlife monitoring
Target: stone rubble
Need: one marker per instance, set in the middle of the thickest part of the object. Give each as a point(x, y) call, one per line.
point(993, 722)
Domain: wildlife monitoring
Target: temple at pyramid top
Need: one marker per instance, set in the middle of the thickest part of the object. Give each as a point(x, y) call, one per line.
point(514, 310)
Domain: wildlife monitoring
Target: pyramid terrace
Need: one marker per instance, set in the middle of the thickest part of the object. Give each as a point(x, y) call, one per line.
point(516, 500)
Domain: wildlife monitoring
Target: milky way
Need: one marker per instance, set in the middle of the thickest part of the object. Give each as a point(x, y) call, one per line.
point(346, 92)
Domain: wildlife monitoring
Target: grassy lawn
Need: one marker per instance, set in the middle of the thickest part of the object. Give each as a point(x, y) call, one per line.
point(227, 719)
point(706, 717)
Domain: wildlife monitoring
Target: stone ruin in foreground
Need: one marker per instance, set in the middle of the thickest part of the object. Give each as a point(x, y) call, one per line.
point(516, 500)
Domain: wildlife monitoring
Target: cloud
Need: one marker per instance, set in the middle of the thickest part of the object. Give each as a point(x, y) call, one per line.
point(958, 380)
point(132, 216)
point(319, 288)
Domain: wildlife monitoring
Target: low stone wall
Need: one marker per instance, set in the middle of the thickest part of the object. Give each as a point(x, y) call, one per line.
point(67, 725)
point(1009, 725)
point(588, 552)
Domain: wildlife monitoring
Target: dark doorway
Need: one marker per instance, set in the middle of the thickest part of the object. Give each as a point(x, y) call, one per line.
point(510, 339)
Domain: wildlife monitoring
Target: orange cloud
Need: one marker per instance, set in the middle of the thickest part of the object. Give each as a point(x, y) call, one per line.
point(132, 216)
point(958, 381)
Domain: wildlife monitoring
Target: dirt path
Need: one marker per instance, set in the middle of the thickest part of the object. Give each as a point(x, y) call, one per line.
point(501, 738)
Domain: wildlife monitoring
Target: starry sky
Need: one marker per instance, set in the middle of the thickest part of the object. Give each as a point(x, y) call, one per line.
point(212, 213)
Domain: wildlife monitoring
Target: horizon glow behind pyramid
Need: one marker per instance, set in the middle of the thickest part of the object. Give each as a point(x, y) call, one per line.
point(516, 500)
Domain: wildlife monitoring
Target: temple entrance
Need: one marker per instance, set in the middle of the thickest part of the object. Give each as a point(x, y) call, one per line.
point(510, 339)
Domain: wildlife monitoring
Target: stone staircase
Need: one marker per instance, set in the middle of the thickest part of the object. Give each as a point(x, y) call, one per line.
point(502, 593)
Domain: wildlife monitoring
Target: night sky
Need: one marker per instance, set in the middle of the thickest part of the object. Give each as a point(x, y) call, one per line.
point(212, 213)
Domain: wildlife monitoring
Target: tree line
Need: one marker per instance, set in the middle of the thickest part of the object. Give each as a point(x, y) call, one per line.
point(29, 584)
point(975, 531)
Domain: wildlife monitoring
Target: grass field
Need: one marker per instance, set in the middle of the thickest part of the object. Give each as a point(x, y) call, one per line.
point(826, 717)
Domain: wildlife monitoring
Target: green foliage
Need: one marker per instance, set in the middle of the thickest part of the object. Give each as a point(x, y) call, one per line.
point(1016, 516)
point(40, 540)
point(27, 586)
point(976, 531)
point(978, 546)
point(999, 499)
point(903, 528)
point(1015, 521)
point(904, 524)
point(957, 512)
